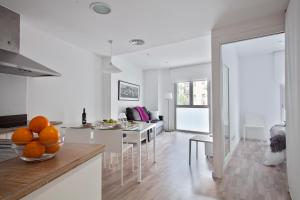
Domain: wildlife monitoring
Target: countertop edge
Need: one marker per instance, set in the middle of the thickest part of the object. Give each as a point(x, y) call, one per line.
point(52, 176)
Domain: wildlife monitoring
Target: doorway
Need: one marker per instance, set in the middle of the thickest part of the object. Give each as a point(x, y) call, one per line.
point(253, 90)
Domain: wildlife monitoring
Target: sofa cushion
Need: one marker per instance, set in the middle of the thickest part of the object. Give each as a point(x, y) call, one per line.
point(136, 115)
point(129, 114)
point(159, 124)
point(143, 113)
point(154, 115)
point(132, 114)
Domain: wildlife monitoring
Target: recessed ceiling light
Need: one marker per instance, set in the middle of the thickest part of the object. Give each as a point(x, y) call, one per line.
point(100, 8)
point(137, 42)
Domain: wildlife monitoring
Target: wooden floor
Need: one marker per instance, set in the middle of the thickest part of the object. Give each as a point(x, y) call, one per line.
point(171, 178)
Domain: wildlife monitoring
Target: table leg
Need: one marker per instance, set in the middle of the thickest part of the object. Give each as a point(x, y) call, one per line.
point(197, 150)
point(154, 140)
point(139, 163)
point(244, 134)
point(190, 143)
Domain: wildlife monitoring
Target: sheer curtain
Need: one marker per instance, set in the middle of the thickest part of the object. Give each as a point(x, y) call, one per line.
point(293, 96)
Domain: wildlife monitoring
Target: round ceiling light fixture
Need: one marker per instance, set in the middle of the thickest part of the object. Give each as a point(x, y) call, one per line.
point(100, 8)
point(137, 42)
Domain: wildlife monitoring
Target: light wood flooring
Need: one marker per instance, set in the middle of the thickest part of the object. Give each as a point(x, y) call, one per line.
point(171, 178)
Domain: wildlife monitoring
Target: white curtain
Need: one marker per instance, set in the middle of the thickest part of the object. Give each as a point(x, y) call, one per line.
point(293, 96)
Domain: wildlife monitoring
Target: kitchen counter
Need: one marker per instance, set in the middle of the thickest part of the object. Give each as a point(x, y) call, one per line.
point(12, 129)
point(19, 179)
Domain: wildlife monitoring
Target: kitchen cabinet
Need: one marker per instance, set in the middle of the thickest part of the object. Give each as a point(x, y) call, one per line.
point(74, 173)
point(10, 30)
point(83, 182)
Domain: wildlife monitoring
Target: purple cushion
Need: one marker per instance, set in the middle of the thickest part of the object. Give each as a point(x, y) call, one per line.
point(144, 116)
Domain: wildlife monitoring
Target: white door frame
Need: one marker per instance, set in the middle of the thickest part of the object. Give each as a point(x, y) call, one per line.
point(261, 27)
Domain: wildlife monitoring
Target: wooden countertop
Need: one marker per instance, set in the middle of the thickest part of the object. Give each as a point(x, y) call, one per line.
point(12, 129)
point(18, 178)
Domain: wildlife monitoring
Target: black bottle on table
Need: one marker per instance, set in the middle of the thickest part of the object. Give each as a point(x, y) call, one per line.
point(83, 117)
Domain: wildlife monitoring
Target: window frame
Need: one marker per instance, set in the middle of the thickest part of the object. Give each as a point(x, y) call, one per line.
point(191, 104)
point(191, 97)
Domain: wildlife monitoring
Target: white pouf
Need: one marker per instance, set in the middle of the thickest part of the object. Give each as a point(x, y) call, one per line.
point(273, 159)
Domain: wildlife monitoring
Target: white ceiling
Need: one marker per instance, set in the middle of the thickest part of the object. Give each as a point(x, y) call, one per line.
point(260, 46)
point(157, 22)
point(187, 52)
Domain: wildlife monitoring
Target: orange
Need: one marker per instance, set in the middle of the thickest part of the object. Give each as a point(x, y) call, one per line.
point(52, 148)
point(49, 135)
point(34, 150)
point(22, 136)
point(38, 123)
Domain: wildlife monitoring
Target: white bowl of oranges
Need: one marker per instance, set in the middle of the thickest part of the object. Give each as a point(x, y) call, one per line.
point(40, 141)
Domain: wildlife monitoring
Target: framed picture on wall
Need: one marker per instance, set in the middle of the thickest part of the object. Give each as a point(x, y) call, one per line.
point(128, 91)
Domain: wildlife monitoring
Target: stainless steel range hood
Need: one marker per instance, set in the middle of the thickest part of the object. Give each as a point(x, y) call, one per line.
point(11, 62)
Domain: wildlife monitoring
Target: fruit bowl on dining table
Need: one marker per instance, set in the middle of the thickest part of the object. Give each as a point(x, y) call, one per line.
point(40, 141)
point(110, 122)
point(107, 124)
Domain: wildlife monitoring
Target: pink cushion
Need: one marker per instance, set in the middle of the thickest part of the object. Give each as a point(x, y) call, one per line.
point(144, 116)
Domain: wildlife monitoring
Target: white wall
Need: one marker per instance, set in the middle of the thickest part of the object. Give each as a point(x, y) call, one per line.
point(106, 94)
point(13, 99)
point(82, 84)
point(166, 79)
point(279, 63)
point(130, 73)
point(259, 92)
point(293, 96)
point(231, 60)
point(62, 98)
point(151, 83)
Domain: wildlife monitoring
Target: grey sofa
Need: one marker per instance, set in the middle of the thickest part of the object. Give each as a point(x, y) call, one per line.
point(133, 115)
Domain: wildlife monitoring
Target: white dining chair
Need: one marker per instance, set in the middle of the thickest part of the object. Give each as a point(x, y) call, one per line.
point(113, 141)
point(131, 139)
point(253, 120)
point(77, 135)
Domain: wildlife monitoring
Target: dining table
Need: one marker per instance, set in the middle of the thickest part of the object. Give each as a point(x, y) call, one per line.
point(135, 130)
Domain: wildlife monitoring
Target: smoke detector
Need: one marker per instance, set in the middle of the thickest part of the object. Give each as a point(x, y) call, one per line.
point(137, 42)
point(100, 8)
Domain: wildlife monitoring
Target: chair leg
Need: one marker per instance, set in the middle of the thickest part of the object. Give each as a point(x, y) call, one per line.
point(132, 160)
point(122, 168)
point(244, 134)
point(110, 160)
point(147, 149)
point(190, 143)
point(197, 150)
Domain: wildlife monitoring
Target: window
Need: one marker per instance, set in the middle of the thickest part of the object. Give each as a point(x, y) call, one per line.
point(192, 93)
point(200, 93)
point(183, 93)
point(192, 106)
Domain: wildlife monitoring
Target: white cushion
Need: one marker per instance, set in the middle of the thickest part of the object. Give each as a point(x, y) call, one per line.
point(273, 159)
point(154, 115)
